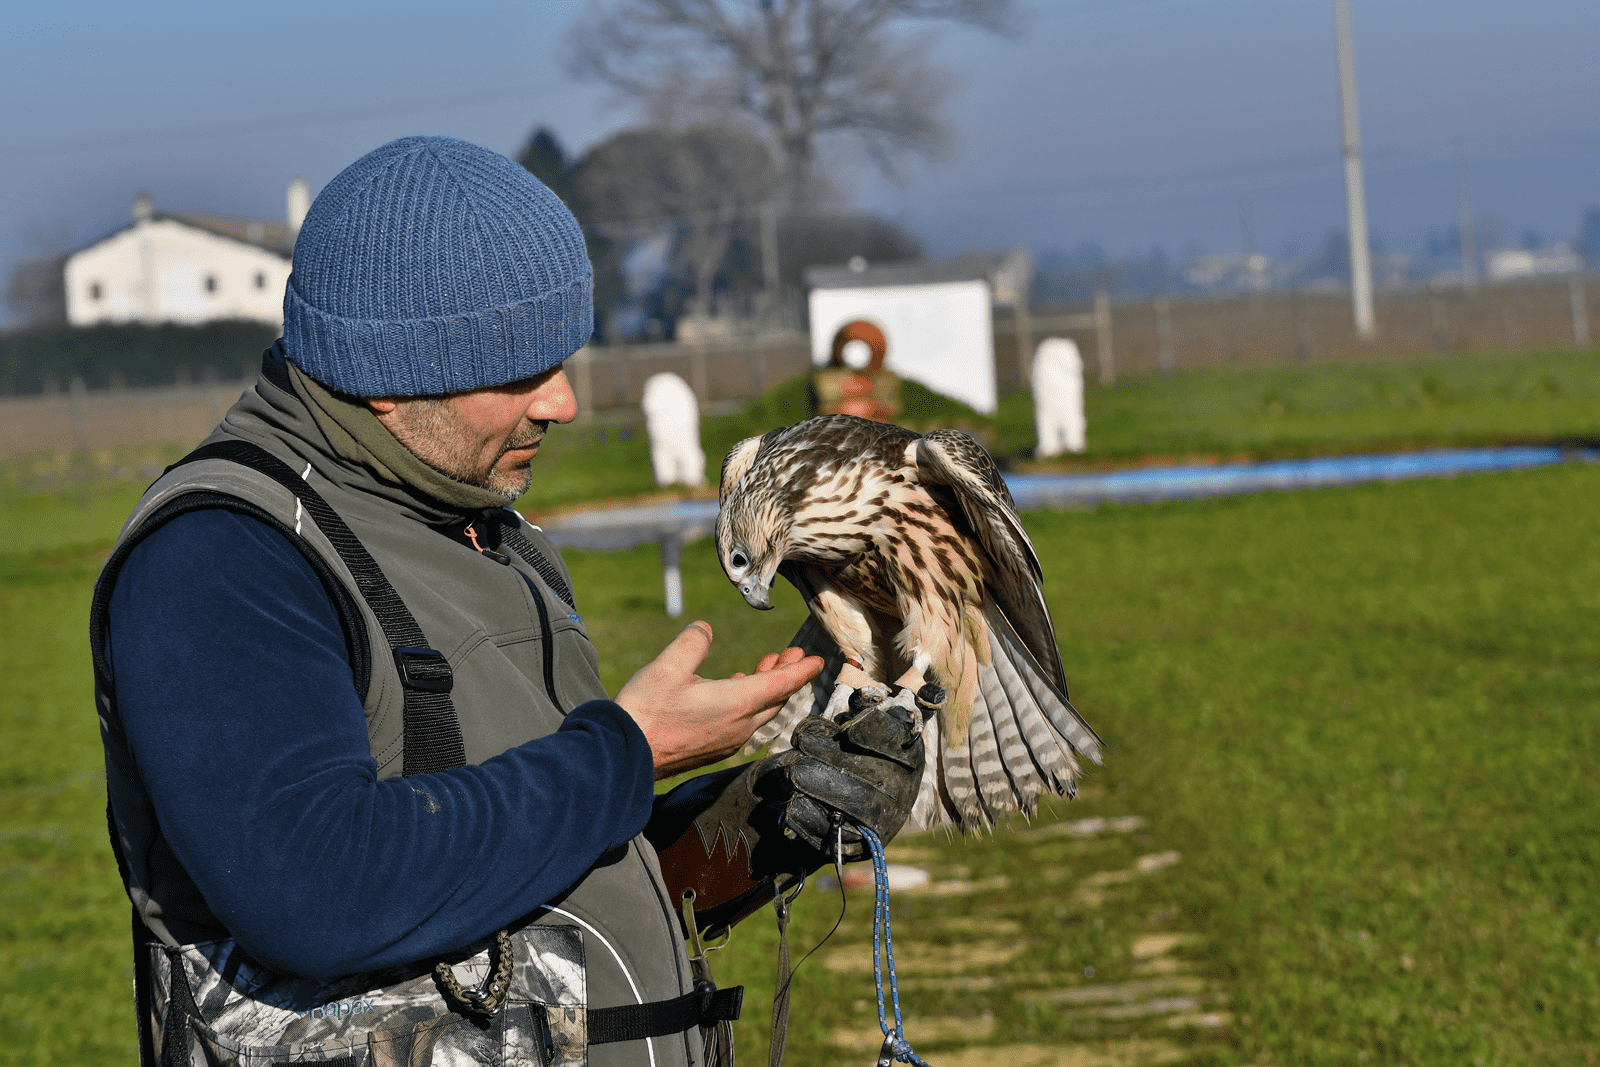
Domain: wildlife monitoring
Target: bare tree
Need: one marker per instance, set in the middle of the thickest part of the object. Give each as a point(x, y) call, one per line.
point(35, 290)
point(701, 183)
point(803, 71)
point(35, 295)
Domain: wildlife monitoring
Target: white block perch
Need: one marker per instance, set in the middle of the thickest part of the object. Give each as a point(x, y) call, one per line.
point(672, 419)
point(1058, 398)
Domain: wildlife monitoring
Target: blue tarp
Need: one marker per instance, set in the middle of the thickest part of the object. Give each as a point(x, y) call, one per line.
point(1159, 483)
point(687, 520)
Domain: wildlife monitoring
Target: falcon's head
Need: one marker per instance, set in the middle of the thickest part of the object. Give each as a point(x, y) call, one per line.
point(753, 524)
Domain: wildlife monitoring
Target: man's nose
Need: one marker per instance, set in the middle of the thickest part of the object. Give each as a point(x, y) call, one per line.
point(553, 401)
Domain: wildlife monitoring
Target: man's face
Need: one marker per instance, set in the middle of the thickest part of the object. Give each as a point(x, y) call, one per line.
point(486, 437)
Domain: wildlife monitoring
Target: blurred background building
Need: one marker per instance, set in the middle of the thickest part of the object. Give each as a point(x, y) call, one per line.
point(185, 266)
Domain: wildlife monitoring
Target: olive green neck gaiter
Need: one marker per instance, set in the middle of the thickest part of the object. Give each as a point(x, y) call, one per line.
point(355, 433)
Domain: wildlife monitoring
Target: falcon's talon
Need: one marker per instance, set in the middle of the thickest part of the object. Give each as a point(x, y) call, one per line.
point(905, 705)
point(903, 699)
point(838, 702)
point(868, 696)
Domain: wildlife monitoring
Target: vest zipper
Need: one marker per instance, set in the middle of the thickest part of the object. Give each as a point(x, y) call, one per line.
point(548, 641)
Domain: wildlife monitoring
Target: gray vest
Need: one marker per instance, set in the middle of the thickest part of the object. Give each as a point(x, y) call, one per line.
point(520, 659)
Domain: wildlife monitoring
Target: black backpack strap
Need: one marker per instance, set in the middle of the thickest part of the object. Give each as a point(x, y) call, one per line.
point(433, 740)
point(511, 536)
point(357, 648)
point(706, 1005)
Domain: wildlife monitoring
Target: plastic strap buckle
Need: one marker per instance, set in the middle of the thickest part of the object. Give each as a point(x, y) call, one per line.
point(423, 669)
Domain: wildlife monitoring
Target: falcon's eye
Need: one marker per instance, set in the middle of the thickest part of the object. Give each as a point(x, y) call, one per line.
point(738, 560)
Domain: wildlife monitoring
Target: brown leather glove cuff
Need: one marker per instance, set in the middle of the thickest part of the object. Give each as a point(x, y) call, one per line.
point(716, 836)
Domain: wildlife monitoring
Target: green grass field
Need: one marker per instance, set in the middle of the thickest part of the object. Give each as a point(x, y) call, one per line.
point(1358, 726)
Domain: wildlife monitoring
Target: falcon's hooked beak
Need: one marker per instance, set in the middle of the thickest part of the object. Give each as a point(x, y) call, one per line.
point(757, 592)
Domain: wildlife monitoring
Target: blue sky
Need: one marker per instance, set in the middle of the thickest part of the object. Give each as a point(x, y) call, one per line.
point(1133, 123)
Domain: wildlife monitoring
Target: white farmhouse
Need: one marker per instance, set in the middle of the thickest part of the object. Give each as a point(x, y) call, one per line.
point(186, 266)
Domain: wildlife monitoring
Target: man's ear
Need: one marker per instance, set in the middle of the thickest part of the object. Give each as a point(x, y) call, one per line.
point(382, 405)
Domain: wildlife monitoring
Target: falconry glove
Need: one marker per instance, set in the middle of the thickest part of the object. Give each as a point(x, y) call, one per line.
point(863, 769)
point(733, 838)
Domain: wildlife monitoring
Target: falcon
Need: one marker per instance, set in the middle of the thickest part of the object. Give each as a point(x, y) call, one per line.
point(908, 551)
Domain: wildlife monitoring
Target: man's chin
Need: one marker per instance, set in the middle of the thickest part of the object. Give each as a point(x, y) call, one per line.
point(510, 484)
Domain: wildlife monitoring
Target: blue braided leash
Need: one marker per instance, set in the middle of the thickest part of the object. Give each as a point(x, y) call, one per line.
point(894, 1040)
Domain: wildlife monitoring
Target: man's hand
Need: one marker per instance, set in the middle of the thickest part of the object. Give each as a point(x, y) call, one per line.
point(692, 721)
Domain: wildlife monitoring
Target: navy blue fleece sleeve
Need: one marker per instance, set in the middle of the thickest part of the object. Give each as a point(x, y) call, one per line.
point(236, 697)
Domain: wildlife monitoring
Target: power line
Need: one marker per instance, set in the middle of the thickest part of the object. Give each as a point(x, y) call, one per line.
point(201, 131)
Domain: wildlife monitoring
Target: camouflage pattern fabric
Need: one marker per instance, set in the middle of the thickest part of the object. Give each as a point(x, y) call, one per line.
point(245, 1016)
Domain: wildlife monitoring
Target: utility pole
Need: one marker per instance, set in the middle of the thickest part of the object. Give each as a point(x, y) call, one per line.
point(1354, 188)
point(1102, 338)
point(1164, 356)
point(1469, 235)
point(1253, 280)
point(1580, 311)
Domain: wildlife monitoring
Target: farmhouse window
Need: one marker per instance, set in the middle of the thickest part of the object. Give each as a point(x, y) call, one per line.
point(261, 279)
point(211, 283)
point(94, 290)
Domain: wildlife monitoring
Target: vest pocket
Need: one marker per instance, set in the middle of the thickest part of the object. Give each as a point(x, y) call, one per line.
point(219, 1010)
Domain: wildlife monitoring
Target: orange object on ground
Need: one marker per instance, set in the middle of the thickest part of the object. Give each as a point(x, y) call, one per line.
point(870, 392)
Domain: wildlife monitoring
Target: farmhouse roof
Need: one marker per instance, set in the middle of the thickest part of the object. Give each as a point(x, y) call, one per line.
point(271, 235)
point(1007, 270)
point(881, 275)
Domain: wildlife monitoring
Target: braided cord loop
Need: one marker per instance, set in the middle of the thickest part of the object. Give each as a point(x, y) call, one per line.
point(894, 1038)
point(490, 997)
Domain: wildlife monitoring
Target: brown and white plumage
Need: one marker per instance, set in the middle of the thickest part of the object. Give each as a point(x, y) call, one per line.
point(909, 553)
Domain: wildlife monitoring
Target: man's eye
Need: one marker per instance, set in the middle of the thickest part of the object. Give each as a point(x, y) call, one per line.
point(738, 559)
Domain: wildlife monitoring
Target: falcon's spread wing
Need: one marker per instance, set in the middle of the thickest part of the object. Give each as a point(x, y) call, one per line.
point(955, 461)
point(1022, 636)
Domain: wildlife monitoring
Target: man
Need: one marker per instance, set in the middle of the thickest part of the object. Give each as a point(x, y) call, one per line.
point(369, 797)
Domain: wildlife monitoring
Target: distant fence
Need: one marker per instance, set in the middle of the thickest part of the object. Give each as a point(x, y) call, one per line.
point(82, 421)
point(614, 376)
point(1117, 339)
point(1181, 333)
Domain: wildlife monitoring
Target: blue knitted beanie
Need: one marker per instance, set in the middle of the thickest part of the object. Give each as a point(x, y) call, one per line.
point(434, 266)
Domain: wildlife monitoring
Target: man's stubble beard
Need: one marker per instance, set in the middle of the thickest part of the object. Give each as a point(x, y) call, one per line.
point(432, 432)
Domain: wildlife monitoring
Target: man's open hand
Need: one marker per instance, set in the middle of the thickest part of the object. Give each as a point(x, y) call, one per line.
point(692, 721)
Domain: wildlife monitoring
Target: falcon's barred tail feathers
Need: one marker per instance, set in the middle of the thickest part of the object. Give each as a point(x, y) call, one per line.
point(911, 557)
point(1014, 751)
point(1042, 697)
